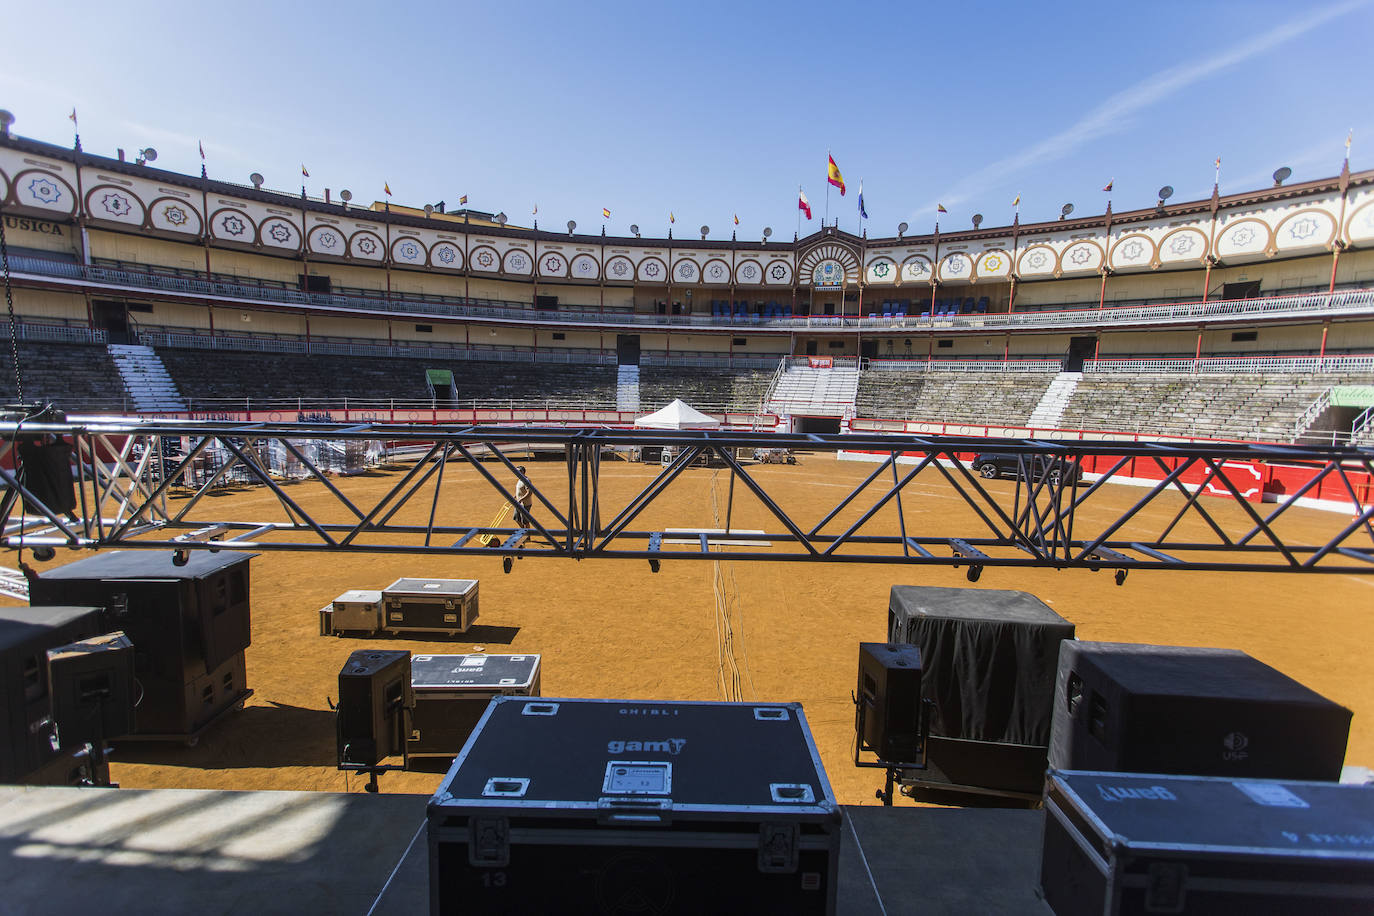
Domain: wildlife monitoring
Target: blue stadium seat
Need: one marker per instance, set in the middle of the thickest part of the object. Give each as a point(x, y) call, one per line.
point(968, 306)
point(787, 311)
point(983, 304)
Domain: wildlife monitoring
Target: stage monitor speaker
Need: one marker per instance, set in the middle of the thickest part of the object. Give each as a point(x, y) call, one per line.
point(45, 470)
point(93, 690)
point(374, 694)
point(890, 693)
point(1133, 708)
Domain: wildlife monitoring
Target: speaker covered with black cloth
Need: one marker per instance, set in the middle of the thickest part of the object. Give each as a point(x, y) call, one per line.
point(989, 658)
point(889, 691)
point(1175, 709)
point(45, 470)
point(189, 625)
point(374, 694)
point(26, 634)
point(93, 691)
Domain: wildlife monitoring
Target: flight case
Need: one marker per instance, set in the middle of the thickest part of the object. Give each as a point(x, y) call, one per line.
point(587, 806)
point(1133, 843)
point(452, 692)
point(429, 605)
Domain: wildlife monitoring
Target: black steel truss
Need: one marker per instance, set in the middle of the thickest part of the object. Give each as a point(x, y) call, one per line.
point(128, 470)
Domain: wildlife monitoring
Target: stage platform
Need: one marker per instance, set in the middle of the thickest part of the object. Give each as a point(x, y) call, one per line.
point(217, 852)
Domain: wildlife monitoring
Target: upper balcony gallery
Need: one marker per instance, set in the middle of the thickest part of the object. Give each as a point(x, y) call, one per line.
point(1139, 265)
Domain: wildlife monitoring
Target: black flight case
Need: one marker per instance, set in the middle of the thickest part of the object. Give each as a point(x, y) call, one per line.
point(1118, 843)
point(452, 692)
point(618, 806)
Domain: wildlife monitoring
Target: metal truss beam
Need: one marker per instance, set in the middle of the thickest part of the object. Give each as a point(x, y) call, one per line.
point(151, 484)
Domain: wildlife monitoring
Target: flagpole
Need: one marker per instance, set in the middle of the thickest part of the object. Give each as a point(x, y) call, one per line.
point(827, 187)
point(799, 194)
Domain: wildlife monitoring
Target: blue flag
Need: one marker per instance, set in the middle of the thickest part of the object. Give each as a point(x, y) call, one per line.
point(863, 214)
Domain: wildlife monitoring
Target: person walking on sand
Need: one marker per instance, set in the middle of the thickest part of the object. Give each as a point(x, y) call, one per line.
point(524, 499)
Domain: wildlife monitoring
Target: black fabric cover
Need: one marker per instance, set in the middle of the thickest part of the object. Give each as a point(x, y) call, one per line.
point(990, 659)
point(45, 470)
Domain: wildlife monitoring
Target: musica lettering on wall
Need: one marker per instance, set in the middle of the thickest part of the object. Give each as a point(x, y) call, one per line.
point(40, 226)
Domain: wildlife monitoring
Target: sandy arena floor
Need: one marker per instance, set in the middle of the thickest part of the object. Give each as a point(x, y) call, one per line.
point(614, 629)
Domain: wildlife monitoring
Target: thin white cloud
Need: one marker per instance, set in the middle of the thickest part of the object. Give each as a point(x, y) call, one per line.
point(183, 140)
point(1111, 115)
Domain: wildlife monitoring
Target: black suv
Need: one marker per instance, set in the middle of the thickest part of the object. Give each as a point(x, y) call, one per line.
point(993, 465)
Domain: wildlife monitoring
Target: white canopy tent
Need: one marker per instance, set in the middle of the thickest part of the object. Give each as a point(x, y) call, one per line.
point(677, 415)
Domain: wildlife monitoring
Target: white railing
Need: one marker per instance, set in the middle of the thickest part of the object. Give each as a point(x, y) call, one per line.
point(1363, 427)
point(1234, 364)
point(58, 332)
point(964, 365)
point(1310, 415)
point(1345, 302)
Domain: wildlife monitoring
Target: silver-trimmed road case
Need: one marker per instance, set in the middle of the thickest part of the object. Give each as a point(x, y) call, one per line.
point(357, 611)
point(452, 692)
point(429, 605)
point(590, 806)
point(1142, 843)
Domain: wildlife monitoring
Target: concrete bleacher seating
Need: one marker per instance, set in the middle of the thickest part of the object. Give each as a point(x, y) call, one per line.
point(740, 390)
point(948, 396)
point(1261, 407)
point(204, 377)
point(71, 375)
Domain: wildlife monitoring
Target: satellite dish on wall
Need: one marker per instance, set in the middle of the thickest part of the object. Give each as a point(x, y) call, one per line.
point(6, 119)
point(634, 227)
point(572, 225)
point(768, 232)
point(1281, 175)
point(1065, 210)
point(977, 220)
point(501, 218)
point(345, 195)
point(1166, 192)
point(429, 210)
point(257, 180)
point(901, 229)
point(148, 155)
point(705, 230)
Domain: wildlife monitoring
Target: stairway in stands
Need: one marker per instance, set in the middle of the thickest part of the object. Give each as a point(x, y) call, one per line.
point(627, 387)
point(814, 392)
point(1050, 411)
point(145, 378)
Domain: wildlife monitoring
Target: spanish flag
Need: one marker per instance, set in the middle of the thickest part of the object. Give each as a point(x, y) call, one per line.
point(833, 175)
point(1017, 201)
point(387, 188)
point(462, 200)
point(605, 214)
point(304, 173)
point(1108, 188)
point(940, 208)
point(736, 219)
point(671, 217)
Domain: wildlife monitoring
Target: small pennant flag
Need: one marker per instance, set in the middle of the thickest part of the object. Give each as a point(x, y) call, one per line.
point(72, 116)
point(1218, 162)
point(940, 208)
point(462, 200)
point(387, 188)
point(202, 150)
point(535, 211)
point(736, 219)
point(1347, 143)
point(304, 173)
point(832, 174)
point(803, 204)
point(671, 217)
point(605, 214)
point(1108, 188)
point(863, 214)
point(1017, 201)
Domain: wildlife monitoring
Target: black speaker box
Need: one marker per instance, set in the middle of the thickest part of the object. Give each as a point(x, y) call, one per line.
point(374, 694)
point(45, 470)
point(1208, 712)
point(93, 692)
point(187, 623)
point(890, 693)
point(26, 634)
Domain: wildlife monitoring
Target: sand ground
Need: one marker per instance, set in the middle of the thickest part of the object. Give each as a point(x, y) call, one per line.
point(699, 630)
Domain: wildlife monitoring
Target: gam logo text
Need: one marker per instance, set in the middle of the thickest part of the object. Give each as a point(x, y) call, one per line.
point(665, 746)
point(1145, 793)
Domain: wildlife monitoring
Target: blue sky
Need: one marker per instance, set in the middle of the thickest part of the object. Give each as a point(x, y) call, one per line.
point(710, 109)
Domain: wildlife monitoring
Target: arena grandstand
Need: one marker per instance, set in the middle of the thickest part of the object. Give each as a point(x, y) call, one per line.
point(1247, 316)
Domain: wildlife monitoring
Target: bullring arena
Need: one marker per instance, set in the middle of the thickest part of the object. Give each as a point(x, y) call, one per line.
point(1171, 378)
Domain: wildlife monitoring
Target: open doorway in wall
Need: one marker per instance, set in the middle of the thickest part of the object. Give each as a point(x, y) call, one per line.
point(627, 349)
point(113, 319)
point(1080, 348)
